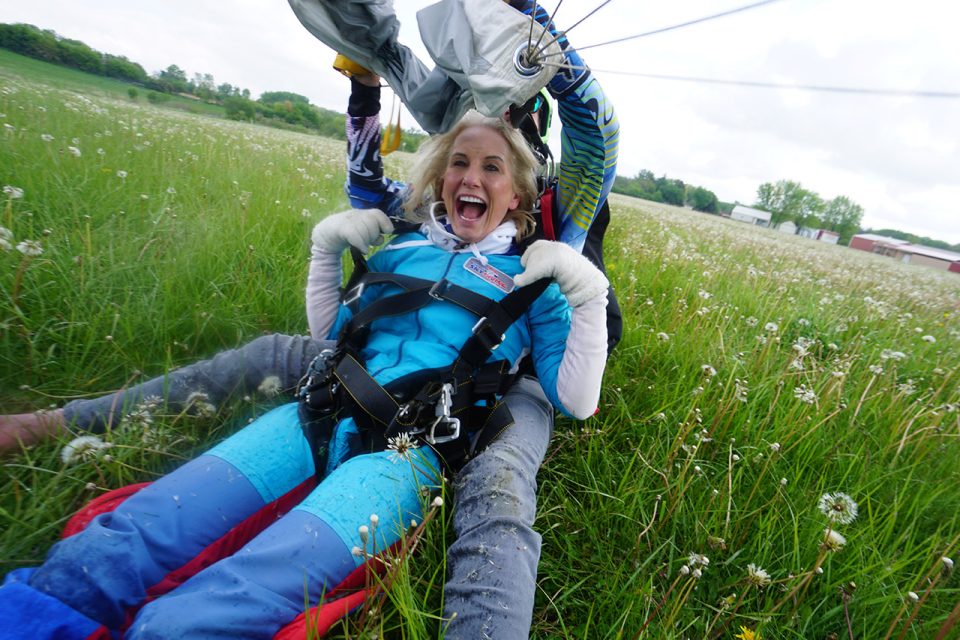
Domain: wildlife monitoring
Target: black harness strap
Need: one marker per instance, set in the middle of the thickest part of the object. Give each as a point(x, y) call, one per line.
point(440, 400)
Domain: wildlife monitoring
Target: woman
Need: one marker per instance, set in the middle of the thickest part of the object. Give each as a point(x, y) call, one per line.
point(480, 176)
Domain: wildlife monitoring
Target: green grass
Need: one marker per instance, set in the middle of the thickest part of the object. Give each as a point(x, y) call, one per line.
point(757, 372)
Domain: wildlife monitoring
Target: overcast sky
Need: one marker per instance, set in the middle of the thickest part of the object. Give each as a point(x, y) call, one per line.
point(898, 157)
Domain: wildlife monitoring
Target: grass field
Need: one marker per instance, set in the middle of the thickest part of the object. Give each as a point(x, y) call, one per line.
point(758, 373)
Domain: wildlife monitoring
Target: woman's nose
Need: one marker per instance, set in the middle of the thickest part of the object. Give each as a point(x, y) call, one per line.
point(471, 177)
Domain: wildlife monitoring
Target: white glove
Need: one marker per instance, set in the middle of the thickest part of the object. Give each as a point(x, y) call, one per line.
point(579, 280)
point(357, 227)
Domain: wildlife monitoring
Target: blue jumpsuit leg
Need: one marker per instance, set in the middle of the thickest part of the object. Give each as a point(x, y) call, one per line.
point(109, 566)
point(305, 554)
point(492, 564)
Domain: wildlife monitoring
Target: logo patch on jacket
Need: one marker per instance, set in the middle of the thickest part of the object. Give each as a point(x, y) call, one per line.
point(489, 274)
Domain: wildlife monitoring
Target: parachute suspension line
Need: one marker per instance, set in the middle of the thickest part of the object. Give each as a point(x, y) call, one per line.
point(562, 34)
point(688, 23)
point(542, 33)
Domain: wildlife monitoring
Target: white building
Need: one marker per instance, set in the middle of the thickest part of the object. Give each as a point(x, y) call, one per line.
point(750, 215)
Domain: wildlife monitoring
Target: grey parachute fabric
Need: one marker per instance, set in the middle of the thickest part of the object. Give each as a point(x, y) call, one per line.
point(474, 44)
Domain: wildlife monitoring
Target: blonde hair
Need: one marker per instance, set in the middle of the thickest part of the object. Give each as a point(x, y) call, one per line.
point(427, 175)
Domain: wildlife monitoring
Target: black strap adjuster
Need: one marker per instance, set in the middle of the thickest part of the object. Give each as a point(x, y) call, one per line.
point(486, 335)
point(439, 288)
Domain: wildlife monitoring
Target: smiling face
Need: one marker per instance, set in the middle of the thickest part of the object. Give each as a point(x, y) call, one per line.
point(478, 189)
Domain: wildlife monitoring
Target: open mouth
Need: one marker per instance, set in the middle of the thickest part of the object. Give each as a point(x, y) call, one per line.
point(471, 208)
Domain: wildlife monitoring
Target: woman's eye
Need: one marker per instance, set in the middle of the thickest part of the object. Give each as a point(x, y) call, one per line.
point(458, 163)
point(493, 167)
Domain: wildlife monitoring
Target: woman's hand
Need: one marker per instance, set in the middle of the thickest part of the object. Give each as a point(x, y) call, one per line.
point(579, 280)
point(358, 227)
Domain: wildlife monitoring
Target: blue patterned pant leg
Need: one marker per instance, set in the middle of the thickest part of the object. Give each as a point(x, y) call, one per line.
point(306, 553)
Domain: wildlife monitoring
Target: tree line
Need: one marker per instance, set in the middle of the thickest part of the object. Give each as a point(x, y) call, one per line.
point(670, 191)
point(789, 200)
point(274, 108)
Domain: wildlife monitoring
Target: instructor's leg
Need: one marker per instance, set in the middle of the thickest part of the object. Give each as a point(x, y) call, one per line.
point(493, 561)
point(271, 364)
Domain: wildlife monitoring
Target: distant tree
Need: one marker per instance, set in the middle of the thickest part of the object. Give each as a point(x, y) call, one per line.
point(271, 97)
point(122, 69)
point(788, 200)
point(671, 190)
point(238, 108)
point(73, 53)
point(702, 199)
point(28, 40)
point(843, 216)
point(173, 80)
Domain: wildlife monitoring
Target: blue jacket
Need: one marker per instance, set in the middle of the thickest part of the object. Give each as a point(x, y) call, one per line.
point(432, 336)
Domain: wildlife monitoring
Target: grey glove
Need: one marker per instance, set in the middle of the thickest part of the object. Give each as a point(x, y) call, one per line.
point(579, 280)
point(357, 227)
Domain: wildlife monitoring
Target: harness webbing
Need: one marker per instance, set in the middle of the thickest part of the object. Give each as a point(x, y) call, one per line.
point(431, 404)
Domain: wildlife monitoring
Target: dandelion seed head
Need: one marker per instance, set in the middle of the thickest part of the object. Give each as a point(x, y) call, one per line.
point(912, 596)
point(833, 540)
point(83, 448)
point(757, 576)
point(74, 151)
point(929, 338)
point(364, 532)
point(270, 387)
point(838, 507)
point(30, 248)
point(437, 502)
point(12, 192)
point(121, 174)
point(402, 445)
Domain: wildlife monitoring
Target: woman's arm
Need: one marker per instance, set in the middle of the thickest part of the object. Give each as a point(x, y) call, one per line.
point(569, 335)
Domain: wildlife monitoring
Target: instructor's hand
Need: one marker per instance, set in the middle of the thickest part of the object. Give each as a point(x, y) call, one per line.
point(359, 228)
point(579, 280)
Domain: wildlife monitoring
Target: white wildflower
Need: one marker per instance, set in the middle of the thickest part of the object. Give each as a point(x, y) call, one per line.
point(270, 387)
point(757, 576)
point(30, 248)
point(437, 502)
point(75, 152)
point(198, 404)
point(83, 448)
point(121, 174)
point(364, 532)
point(12, 192)
point(685, 570)
point(803, 394)
point(912, 596)
point(402, 446)
point(775, 447)
point(875, 369)
point(929, 339)
point(697, 573)
point(771, 327)
point(695, 559)
point(838, 507)
point(708, 370)
point(46, 137)
point(751, 321)
point(740, 390)
point(947, 564)
point(663, 337)
point(833, 540)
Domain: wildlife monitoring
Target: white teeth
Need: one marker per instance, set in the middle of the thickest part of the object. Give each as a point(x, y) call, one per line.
point(472, 199)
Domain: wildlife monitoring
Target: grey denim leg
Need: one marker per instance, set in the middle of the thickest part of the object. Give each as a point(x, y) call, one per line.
point(227, 375)
point(493, 561)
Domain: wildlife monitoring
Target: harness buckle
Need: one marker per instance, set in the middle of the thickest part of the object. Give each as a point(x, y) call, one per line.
point(354, 293)
point(438, 289)
point(452, 425)
point(485, 333)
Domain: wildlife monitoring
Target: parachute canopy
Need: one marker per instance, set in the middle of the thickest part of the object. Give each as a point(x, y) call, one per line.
point(476, 45)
